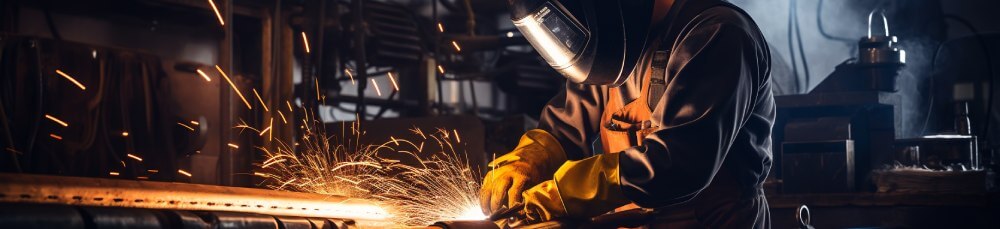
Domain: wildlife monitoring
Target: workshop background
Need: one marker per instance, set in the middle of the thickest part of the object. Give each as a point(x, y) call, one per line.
point(875, 128)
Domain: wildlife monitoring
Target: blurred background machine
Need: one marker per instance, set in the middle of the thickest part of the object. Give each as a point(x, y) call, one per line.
point(886, 113)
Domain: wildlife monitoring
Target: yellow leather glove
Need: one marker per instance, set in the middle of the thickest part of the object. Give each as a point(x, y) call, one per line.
point(535, 158)
point(580, 189)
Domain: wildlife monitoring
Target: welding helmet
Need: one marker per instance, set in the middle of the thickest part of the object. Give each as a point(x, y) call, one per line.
point(587, 41)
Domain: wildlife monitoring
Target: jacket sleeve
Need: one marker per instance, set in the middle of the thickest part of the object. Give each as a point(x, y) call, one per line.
point(573, 118)
point(709, 94)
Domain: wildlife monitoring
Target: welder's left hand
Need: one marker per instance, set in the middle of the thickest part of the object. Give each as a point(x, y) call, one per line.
point(579, 189)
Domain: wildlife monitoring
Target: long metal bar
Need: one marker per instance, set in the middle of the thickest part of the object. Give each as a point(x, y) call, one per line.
point(81, 191)
point(225, 97)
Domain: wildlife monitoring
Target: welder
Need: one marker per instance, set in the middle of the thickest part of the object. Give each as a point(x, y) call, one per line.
point(667, 106)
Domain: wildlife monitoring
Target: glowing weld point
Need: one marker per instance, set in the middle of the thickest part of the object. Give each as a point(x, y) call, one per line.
point(305, 41)
point(440, 69)
point(375, 85)
point(71, 79)
point(440, 27)
point(393, 80)
point(137, 158)
point(261, 100)
point(113, 173)
point(54, 119)
point(56, 137)
point(234, 146)
point(457, 48)
point(231, 84)
point(348, 72)
point(217, 13)
point(182, 172)
point(203, 75)
point(186, 126)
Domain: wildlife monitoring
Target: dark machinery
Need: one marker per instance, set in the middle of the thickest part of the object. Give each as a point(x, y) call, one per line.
point(830, 139)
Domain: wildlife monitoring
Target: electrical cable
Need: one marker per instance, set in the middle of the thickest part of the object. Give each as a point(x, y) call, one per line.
point(51, 23)
point(802, 51)
point(791, 48)
point(930, 88)
point(989, 66)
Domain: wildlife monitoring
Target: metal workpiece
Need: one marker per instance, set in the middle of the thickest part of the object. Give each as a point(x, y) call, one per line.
point(99, 192)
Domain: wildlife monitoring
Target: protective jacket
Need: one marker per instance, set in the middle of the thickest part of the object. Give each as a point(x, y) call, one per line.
point(692, 124)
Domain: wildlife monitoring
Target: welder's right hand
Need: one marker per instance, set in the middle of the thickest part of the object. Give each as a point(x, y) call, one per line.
point(535, 159)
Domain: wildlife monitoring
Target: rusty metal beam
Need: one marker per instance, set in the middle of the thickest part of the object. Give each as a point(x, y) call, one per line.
point(80, 191)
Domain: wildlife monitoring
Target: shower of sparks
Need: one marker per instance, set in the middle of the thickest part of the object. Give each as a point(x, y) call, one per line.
point(440, 27)
point(375, 85)
point(392, 79)
point(455, 44)
point(185, 173)
point(260, 100)
point(124, 133)
point(440, 69)
point(185, 126)
point(217, 13)
point(234, 146)
point(203, 75)
point(56, 137)
point(305, 41)
point(349, 75)
point(231, 84)
point(417, 187)
point(56, 120)
point(137, 158)
point(71, 79)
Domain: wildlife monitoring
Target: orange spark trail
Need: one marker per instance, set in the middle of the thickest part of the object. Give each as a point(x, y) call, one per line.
point(261, 100)
point(137, 158)
point(54, 119)
point(393, 80)
point(186, 173)
point(71, 79)
point(56, 137)
point(231, 84)
point(203, 75)
point(348, 72)
point(217, 13)
point(375, 85)
point(305, 41)
point(453, 43)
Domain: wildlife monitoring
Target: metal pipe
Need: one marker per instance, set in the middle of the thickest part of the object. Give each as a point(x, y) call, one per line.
point(80, 191)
